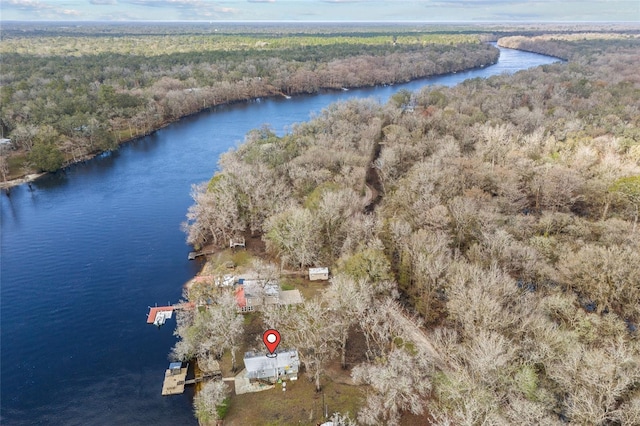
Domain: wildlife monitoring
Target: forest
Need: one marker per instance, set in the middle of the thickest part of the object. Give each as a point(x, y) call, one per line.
point(483, 241)
point(65, 96)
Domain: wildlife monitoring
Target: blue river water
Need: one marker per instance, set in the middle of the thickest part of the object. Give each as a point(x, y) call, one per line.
point(85, 252)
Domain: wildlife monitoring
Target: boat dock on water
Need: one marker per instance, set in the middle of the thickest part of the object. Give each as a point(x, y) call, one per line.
point(158, 315)
point(175, 377)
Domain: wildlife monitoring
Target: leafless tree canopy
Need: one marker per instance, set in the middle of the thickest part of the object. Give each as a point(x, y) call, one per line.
point(506, 219)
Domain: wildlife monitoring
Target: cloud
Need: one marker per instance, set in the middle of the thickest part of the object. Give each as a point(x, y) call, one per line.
point(40, 10)
point(170, 3)
point(183, 9)
point(343, 10)
point(26, 5)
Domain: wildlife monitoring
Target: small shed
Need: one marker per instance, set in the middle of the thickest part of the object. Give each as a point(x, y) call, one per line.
point(5, 143)
point(175, 368)
point(237, 242)
point(261, 367)
point(317, 274)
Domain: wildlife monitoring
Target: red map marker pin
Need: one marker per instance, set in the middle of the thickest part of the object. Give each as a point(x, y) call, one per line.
point(271, 339)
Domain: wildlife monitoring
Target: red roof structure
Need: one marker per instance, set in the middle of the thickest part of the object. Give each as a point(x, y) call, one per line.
point(153, 312)
point(241, 300)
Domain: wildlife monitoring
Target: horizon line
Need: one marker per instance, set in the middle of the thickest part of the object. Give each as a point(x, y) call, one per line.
point(204, 21)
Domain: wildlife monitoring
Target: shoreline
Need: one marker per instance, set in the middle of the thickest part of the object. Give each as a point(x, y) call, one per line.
point(7, 185)
point(31, 177)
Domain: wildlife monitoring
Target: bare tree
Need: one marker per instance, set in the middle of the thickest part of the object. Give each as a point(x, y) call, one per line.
point(293, 235)
point(629, 189)
point(629, 412)
point(208, 401)
point(596, 381)
point(430, 258)
point(378, 327)
point(342, 419)
point(216, 214)
point(478, 298)
point(209, 330)
point(312, 330)
point(4, 166)
point(349, 301)
point(228, 323)
point(334, 209)
point(196, 336)
point(607, 276)
point(398, 383)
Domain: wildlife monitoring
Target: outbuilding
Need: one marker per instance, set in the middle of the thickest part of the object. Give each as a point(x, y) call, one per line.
point(317, 274)
point(5, 143)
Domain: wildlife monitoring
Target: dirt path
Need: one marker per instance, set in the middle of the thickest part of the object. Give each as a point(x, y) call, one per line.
point(410, 328)
point(415, 333)
point(370, 195)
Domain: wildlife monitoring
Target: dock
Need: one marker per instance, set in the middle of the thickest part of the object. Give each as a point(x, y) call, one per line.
point(203, 378)
point(158, 315)
point(174, 379)
point(195, 254)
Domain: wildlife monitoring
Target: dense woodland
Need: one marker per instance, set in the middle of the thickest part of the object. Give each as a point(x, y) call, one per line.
point(66, 96)
point(502, 211)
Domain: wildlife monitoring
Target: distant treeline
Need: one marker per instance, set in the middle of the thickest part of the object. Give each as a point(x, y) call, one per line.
point(570, 46)
point(63, 98)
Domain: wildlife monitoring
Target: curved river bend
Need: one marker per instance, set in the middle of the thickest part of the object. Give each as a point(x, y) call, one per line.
point(84, 253)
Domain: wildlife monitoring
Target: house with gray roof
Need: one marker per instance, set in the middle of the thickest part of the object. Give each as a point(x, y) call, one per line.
point(263, 368)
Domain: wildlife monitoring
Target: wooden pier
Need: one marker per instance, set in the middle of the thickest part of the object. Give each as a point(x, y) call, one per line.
point(195, 254)
point(158, 315)
point(204, 377)
point(175, 378)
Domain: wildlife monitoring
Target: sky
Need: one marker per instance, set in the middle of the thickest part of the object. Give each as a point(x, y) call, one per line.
point(323, 10)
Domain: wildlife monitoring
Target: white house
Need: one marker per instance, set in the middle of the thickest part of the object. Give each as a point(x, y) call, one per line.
point(261, 367)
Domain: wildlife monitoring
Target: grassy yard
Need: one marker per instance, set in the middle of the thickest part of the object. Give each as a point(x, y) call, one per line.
point(299, 405)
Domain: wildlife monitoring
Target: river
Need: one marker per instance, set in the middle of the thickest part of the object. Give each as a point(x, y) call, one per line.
point(85, 252)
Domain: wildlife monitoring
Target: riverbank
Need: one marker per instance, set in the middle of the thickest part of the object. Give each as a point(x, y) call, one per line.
point(33, 175)
point(564, 46)
point(350, 72)
point(21, 180)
